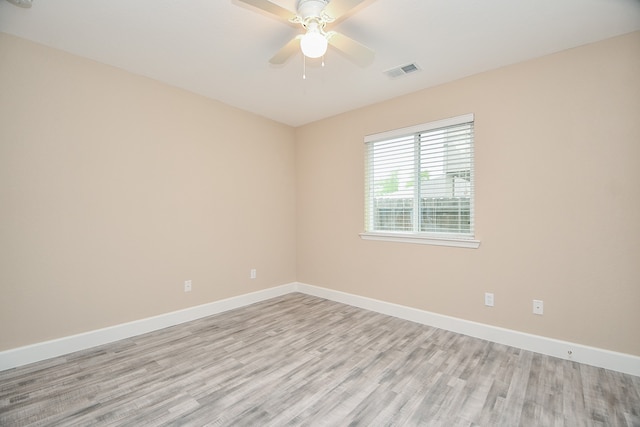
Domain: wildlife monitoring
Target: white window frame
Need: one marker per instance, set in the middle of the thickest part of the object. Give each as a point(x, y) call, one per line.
point(426, 238)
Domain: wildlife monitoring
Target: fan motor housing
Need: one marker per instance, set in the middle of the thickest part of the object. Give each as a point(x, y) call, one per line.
point(311, 8)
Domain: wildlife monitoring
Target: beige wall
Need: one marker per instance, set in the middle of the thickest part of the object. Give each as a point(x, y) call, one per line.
point(114, 189)
point(557, 200)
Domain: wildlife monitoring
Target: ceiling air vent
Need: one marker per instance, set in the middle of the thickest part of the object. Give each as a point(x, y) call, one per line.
point(402, 70)
point(21, 3)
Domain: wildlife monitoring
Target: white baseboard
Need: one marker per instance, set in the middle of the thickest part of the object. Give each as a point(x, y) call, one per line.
point(621, 362)
point(59, 347)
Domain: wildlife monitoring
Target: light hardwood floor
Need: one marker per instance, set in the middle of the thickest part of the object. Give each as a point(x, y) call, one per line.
point(301, 360)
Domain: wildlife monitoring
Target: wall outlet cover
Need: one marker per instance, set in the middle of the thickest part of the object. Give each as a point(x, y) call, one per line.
point(538, 307)
point(488, 299)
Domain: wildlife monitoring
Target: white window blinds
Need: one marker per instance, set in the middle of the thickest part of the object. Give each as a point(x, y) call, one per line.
point(420, 179)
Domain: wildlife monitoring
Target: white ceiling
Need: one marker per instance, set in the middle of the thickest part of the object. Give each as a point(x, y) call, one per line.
point(220, 48)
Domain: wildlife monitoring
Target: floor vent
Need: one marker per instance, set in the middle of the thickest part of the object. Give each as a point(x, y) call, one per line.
point(402, 70)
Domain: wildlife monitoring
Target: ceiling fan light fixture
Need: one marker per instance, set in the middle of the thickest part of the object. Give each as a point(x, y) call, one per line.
point(313, 16)
point(313, 44)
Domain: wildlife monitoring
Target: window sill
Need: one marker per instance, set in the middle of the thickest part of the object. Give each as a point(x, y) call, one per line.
point(422, 240)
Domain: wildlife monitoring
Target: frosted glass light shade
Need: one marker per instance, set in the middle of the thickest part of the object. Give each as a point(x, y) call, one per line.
point(313, 44)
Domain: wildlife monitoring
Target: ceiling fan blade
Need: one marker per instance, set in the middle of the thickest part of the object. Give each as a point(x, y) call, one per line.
point(289, 49)
point(337, 8)
point(272, 8)
point(358, 53)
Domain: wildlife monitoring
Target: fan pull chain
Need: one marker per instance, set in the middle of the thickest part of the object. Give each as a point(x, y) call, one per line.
point(304, 67)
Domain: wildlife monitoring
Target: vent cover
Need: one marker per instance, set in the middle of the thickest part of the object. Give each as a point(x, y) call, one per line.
point(402, 70)
point(21, 3)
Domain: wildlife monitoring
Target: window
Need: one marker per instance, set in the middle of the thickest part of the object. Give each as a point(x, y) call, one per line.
point(419, 184)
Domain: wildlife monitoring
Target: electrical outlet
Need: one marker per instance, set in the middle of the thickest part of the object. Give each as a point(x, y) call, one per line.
point(253, 273)
point(187, 285)
point(538, 306)
point(488, 299)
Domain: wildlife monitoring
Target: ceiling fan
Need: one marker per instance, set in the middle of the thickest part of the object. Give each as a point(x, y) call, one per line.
point(313, 16)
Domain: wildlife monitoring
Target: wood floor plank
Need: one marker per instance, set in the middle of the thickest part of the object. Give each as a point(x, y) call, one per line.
point(298, 360)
